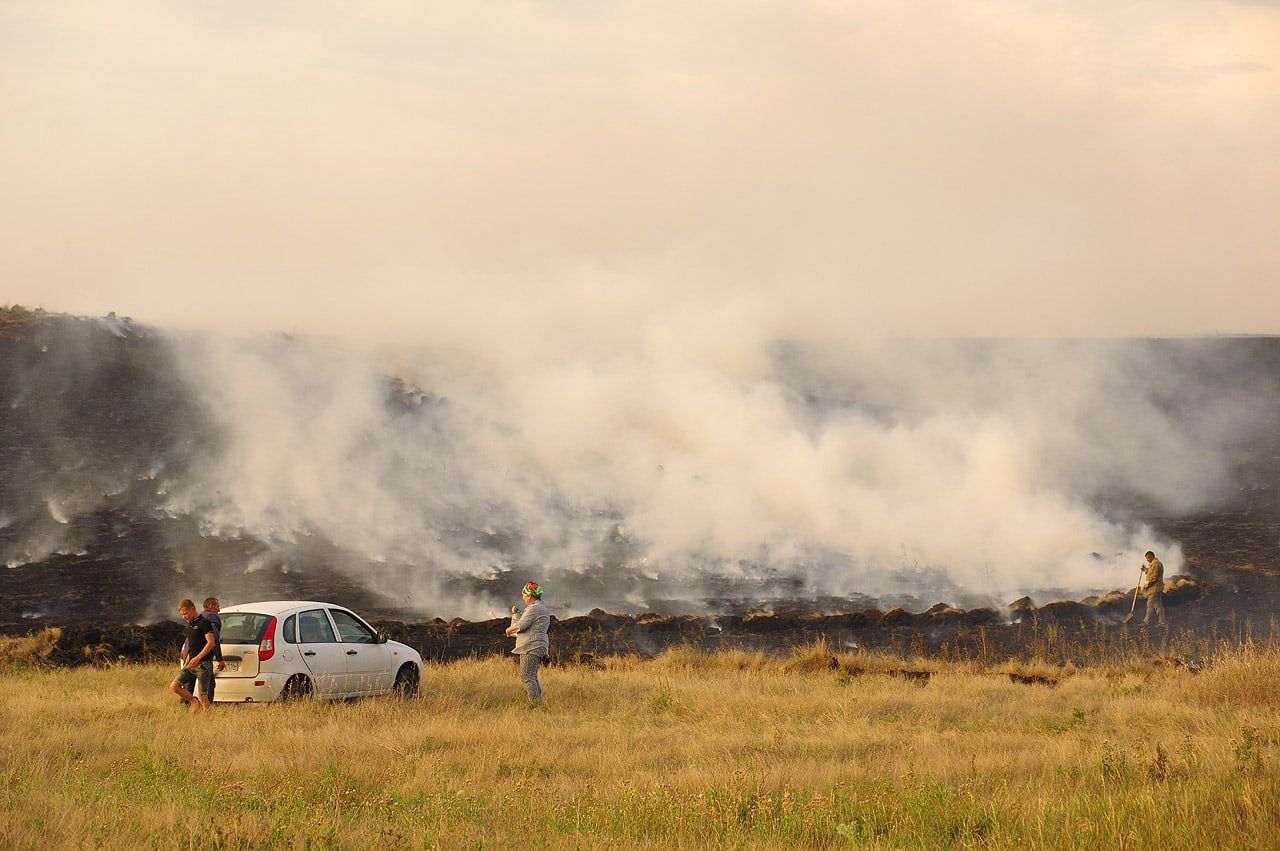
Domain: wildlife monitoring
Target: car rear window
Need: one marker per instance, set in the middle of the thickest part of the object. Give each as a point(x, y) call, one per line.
point(243, 627)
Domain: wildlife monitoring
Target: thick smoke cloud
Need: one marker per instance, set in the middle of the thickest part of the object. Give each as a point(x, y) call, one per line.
point(658, 469)
point(723, 461)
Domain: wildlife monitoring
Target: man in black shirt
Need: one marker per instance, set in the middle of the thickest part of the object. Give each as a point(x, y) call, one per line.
point(210, 613)
point(196, 657)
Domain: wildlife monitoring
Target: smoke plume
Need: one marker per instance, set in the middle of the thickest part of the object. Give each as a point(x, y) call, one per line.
point(696, 455)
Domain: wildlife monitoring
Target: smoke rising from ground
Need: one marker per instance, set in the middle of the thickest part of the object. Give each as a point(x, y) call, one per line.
point(695, 459)
point(713, 451)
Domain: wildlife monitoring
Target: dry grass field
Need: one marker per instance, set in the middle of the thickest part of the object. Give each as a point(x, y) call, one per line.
point(686, 750)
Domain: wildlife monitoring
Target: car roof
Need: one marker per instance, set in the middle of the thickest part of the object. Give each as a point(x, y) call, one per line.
point(276, 607)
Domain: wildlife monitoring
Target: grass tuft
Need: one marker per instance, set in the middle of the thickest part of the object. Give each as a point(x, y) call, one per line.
point(33, 649)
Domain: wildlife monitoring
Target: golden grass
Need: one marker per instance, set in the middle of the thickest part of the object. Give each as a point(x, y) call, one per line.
point(34, 648)
point(1245, 678)
point(686, 750)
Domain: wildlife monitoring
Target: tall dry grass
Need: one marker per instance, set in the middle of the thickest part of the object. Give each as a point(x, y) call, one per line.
point(32, 649)
point(685, 750)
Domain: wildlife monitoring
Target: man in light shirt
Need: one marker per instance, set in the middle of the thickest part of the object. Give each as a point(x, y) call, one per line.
point(1153, 589)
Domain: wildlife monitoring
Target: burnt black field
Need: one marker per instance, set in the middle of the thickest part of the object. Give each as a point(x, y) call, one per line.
point(95, 425)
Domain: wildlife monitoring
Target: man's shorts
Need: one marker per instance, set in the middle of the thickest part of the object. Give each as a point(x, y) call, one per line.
point(187, 678)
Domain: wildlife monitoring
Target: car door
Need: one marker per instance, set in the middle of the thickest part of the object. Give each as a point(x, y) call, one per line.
point(368, 660)
point(323, 654)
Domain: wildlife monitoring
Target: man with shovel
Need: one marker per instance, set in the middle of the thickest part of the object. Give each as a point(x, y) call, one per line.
point(1151, 584)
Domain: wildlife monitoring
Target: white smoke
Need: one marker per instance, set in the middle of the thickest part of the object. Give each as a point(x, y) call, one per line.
point(980, 469)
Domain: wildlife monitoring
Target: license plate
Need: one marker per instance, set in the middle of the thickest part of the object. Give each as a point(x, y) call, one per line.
point(231, 666)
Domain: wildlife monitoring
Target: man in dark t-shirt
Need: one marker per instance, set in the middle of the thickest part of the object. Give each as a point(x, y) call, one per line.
point(197, 657)
point(210, 613)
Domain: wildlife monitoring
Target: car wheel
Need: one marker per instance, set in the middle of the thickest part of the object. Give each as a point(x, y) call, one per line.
point(296, 688)
point(406, 682)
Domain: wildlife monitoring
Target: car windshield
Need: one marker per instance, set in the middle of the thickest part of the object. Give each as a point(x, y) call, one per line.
point(243, 627)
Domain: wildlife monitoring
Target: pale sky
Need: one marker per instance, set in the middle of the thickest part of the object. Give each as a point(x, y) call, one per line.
point(971, 167)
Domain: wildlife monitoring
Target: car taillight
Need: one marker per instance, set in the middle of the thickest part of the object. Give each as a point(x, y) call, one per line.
point(267, 646)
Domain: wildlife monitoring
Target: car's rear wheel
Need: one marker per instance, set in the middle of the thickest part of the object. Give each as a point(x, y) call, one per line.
point(296, 687)
point(406, 685)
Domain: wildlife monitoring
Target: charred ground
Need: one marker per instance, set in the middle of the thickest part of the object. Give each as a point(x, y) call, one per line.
point(94, 425)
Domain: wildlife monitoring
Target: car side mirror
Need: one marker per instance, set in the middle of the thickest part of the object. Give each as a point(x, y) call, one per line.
point(382, 638)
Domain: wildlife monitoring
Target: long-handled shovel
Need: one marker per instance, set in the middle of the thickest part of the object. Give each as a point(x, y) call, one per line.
point(1134, 606)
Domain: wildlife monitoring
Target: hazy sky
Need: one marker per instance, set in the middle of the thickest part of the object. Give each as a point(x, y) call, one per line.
point(975, 167)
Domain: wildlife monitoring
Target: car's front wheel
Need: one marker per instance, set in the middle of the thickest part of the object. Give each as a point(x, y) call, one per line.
point(296, 688)
point(406, 685)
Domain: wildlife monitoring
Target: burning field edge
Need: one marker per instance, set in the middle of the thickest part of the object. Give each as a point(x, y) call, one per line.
point(1080, 633)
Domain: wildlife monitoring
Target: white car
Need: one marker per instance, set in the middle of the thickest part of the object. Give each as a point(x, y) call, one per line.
point(283, 650)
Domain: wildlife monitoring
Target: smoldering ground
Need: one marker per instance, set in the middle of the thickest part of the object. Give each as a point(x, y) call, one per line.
point(673, 477)
point(753, 468)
